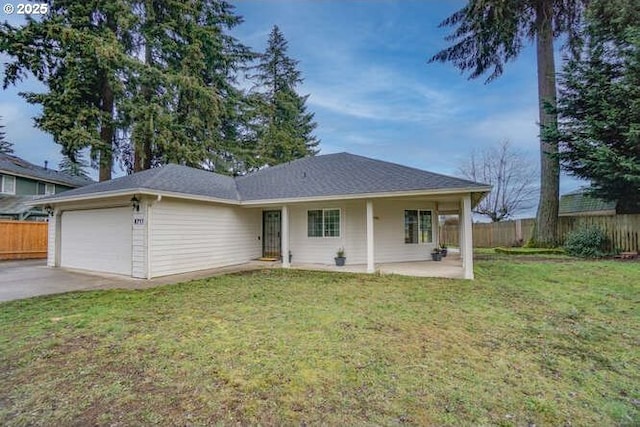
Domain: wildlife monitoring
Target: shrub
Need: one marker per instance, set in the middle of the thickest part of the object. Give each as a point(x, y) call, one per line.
point(589, 242)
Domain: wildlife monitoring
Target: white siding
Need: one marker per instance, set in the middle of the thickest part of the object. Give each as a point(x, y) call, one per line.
point(97, 240)
point(322, 250)
point(388, 227)
point(389, 231)
point(189, 236)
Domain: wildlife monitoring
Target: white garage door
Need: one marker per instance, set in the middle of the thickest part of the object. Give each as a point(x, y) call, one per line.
point(97, 239)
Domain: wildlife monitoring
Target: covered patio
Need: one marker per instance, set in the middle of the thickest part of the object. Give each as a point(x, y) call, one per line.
point(376, 238)
point(450, 267)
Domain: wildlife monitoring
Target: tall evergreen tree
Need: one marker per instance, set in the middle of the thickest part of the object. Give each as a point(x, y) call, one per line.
point(490, 33)
point(75, 166)
point(284, 126)
point(6, 147)
point(150, 81)
point(599, 104)
point(182, 100)
point(77, 51)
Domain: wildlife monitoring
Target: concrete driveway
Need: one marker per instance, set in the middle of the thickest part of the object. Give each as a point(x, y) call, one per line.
point(30, 278)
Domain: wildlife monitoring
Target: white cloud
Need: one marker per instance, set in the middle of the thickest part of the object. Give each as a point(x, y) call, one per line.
point(381, 93)
point(519, 126)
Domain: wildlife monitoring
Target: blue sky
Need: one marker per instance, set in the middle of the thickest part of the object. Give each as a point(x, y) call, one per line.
point(371, 88)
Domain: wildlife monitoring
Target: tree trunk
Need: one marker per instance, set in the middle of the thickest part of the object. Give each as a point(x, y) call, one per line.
point(545, 233)
point(106, 126)
point(106, 131)
point(143, 152)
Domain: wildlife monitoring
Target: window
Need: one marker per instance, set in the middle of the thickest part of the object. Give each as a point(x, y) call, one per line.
point(418, 226)
point(46, 189)
point(314, 223)
point(426, 231)
point(323, 223)
point(8, 184)
point(411, 226)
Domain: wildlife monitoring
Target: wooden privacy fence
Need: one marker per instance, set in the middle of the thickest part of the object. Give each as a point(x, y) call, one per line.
point(623, 230)
point(491, 235)
point(23, 239)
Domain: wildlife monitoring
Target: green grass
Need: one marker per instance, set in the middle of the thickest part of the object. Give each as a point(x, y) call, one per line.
point(550, 343)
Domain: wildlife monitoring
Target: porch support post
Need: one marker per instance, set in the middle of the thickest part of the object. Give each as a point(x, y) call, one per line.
point(370, 253)
point(285, 237)
point(466, 238)
point(436, 226)
point(461, 230)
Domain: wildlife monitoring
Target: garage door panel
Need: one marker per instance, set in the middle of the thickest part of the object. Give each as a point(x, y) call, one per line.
point(97, 239)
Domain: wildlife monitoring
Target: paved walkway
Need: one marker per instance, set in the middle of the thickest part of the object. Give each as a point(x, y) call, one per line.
point(30, 278)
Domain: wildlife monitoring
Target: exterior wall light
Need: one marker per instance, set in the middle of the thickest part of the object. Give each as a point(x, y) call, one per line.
point(135, 203)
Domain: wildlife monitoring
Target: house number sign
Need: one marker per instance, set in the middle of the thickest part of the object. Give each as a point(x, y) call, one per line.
point(138, 220)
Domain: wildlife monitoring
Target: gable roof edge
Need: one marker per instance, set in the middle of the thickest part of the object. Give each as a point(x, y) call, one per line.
point(132, 191)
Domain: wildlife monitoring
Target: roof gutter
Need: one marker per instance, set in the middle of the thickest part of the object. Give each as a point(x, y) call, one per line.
point(158, 193)
point(359, 196)
point(131, 191)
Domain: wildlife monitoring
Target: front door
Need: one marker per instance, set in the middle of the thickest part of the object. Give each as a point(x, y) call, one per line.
point(271, 228)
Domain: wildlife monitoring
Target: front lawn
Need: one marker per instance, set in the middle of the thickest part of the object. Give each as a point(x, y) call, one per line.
point(548, 343)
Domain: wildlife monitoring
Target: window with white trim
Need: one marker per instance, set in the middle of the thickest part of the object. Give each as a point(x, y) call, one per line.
point(46, 189)
point(8, 184)
point(323, 223)
point(418, 226)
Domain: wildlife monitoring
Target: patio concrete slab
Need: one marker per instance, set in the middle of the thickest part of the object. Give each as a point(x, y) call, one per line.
point(450, 267)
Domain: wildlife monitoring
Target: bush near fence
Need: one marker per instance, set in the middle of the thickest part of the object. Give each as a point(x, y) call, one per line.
point(623, 230)
point(23, 240)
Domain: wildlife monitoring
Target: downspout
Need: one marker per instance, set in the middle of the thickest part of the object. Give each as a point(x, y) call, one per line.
point(148, 233)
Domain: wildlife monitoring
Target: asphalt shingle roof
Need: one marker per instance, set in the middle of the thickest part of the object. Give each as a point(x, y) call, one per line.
point(340, 174)
point(172, 178)
point(326, 175)
point(15, 165)
point(579, 202)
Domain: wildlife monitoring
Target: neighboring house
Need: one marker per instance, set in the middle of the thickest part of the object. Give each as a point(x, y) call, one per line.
point(177, 219)
point(579, 203)
point(22, 182)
